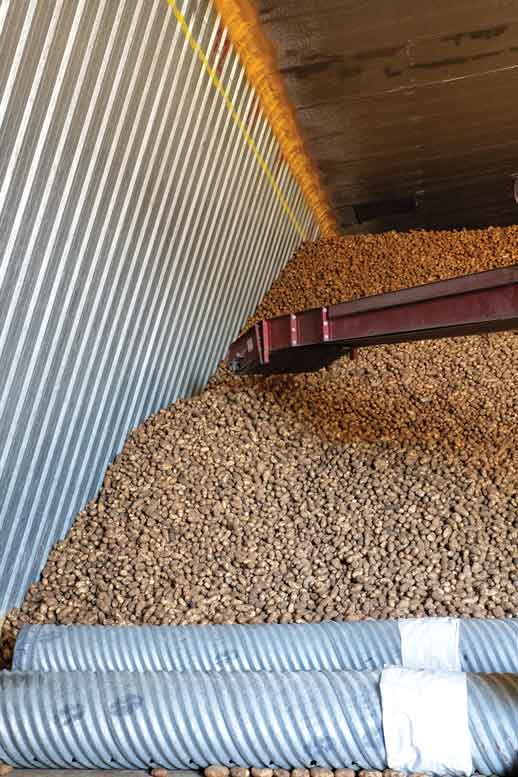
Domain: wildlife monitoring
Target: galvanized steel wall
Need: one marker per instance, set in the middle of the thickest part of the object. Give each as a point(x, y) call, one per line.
point(144, 210)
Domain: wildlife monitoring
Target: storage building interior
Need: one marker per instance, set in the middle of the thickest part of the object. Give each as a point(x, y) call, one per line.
point(208, 562)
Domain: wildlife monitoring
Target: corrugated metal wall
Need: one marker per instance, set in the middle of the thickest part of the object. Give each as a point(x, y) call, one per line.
point(144, 210)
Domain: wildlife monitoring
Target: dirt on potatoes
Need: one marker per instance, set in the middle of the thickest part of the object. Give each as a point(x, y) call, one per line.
point(381, 487)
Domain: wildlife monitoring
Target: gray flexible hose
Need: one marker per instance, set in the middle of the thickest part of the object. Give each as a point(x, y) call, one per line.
point(484, 645)
point(191, 719)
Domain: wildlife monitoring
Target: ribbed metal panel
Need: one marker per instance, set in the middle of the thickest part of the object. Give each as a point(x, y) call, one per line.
point(124, 720)
point(137, 232)
point(485, 646)
point(192, 719)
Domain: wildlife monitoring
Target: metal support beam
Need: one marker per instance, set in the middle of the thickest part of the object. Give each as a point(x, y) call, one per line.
point(312, 339)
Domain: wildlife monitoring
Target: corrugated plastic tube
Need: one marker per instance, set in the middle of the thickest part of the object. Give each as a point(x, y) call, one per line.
point(483, 646)
point(113, 720)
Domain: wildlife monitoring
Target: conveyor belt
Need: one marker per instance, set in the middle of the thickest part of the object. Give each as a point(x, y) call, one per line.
point(312, 339)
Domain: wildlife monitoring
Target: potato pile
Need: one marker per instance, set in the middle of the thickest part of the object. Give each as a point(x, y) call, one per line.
point(218, 770)
point(381, 487)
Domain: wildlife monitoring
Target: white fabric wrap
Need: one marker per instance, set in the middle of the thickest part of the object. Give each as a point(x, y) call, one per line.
point(430, 643)
point(425, 721)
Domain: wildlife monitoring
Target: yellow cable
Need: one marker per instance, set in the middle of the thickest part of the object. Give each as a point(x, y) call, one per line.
point(235, 116)
point(258, 57)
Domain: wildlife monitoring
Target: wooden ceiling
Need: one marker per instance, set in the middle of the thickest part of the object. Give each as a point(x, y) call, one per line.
point(409, 108)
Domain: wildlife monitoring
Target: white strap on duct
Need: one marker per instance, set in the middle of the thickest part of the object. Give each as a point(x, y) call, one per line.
point(430, 643)
point(425, 721)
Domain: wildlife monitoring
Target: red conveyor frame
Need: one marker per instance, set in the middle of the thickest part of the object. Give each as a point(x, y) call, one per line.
point(311, 339)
